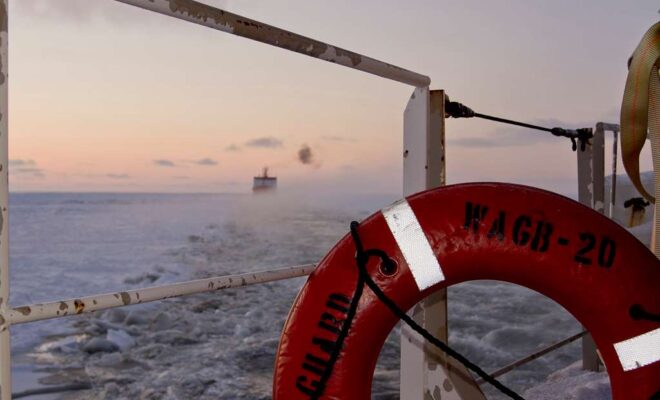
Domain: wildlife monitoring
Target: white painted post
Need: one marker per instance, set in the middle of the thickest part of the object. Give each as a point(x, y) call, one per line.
point(425, 372)
point(591, 192)
point(5, 354)
point(416, 120)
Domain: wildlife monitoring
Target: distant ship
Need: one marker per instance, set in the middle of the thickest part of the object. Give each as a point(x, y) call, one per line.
point(264, 183)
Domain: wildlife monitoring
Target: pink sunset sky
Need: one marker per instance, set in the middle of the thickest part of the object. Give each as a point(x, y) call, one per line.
point(108, 97)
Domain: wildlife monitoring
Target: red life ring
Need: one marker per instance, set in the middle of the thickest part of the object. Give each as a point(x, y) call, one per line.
point(591, 266)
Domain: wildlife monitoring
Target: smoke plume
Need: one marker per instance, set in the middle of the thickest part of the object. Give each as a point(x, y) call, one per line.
point(305, 155)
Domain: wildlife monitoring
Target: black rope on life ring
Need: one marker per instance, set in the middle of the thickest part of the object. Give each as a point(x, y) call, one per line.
point(361, 258)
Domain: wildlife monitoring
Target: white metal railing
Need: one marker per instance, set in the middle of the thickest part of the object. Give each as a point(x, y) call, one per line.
point(541, 352)
point(591, 192)
point(225, 21)
point(87, 304)
point(202, 14)
point(5, 360)
point(424, 168)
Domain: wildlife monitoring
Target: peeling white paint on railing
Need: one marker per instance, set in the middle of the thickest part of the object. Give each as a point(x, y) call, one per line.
point(601, 128)
point(202, 14)
point(54, 309)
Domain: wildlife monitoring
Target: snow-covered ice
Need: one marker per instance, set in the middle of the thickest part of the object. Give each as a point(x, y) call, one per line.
point(222, 345)
point(572, 383)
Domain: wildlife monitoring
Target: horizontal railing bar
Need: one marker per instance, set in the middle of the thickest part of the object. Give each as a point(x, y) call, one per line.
point(51, 390)
point(55, 309)
point(608, 127)
point(203, 14)
point(534, 356)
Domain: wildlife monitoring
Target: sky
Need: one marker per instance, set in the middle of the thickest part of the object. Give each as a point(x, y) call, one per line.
point(108, 97)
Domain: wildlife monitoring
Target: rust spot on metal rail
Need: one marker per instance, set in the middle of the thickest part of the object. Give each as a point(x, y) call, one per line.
point(64, 308)
point(3, 28)
point(3, 16)
point(80, 306)
point(265, 33)
point(25, 310)
point(35, 312)
point(125, 298)
point(198, 11)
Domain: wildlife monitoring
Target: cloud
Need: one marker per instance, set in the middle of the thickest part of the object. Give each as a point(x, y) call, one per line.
point(480, 142)
point(206, 162)
point(230, 183)
point(21, 163)
point(117, 176)
point(232, 147)
point(34, 172)
point(25, 167)
point(265, 142)
point(305, 155)
point(332, 138)
point(71, 10)
point(164, 163)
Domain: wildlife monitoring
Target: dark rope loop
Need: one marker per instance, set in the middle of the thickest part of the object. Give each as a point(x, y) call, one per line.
point(334, 356)
point(361, 258)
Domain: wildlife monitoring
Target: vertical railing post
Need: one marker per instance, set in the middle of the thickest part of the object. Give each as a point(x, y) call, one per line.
point(615, 148)
point(426, 373)
point(5, 355)
point(591, 192)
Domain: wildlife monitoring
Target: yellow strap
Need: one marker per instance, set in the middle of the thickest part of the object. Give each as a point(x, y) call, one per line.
point(635, 116)
point(654, 133)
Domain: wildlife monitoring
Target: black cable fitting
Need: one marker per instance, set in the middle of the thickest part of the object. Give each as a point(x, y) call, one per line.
point(637, 203)
point(584, 136)
point(457, 110)
point(638, 312)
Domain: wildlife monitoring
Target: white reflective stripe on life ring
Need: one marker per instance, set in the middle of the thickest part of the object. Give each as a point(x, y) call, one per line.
point(413, 244)
point(639, 351)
